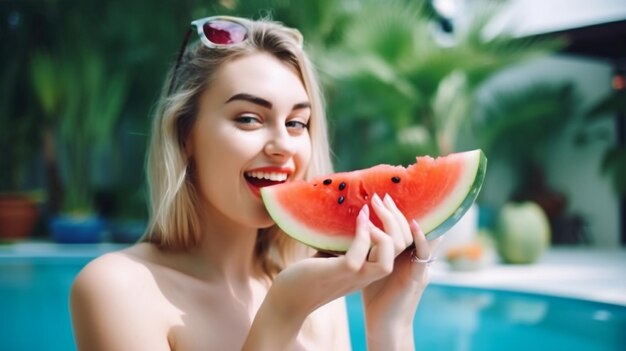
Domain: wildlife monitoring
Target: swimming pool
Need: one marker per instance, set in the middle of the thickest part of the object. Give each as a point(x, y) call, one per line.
point(34, 315)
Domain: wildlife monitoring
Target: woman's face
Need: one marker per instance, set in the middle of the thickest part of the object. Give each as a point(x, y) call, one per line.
point(251, 131)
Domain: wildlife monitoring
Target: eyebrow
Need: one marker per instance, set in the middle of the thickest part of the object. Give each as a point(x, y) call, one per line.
point(262, 102)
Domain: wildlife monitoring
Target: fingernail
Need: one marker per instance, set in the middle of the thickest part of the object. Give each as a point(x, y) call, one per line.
point(365, 212)
point(377, 199)
point(387, 200)
point(416, 226)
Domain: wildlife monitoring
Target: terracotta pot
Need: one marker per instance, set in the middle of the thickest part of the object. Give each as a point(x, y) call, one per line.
point(18, 216)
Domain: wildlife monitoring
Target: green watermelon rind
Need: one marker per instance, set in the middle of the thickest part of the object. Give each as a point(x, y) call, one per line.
point(434, 225)
point(444, 224)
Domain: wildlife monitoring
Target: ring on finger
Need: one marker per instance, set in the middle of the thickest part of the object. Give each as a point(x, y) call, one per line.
point(426, 261)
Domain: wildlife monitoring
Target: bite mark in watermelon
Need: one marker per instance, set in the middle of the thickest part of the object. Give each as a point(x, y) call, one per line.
point(322, 212)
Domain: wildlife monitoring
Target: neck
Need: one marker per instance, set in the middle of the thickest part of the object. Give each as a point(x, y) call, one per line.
point(224, 254)
point(227, 250)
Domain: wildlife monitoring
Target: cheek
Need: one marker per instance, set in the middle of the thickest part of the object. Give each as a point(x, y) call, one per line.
point(221, 156)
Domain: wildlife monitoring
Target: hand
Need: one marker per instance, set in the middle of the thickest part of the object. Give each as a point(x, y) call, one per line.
point(390, 302)
point(308, 284)
point(315, 281)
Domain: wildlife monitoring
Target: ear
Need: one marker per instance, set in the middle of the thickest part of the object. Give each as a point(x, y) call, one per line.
point(187, 147)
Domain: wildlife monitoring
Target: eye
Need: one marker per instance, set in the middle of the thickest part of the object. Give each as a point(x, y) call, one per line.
point(296, 125)
point(248, 121)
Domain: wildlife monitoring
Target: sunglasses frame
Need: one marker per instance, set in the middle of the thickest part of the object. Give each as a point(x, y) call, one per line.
point(199, 25)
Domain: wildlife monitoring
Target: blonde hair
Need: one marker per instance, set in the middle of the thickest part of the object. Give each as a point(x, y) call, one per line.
point(174, 222)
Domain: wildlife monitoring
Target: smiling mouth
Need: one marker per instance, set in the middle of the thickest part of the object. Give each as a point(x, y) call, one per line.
point(260, 179)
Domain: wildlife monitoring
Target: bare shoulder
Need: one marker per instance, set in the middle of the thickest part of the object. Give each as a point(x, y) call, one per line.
point(116, 276)
point(110, 270)
point(112, 295)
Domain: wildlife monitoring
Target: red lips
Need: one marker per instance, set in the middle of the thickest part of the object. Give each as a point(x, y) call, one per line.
point(258, 178)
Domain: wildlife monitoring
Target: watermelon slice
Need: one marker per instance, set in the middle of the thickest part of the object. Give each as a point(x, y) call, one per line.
point(322, 212)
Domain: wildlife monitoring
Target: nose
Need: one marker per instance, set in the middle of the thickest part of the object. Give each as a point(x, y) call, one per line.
point(280, 144)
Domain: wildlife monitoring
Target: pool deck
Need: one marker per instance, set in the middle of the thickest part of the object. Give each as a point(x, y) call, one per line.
point(578, 272)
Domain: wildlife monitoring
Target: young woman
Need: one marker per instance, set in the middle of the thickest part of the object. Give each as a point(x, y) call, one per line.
point(242, 110)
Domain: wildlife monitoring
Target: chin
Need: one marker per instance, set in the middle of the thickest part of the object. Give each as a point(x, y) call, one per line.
point(268, 223)
point(263, 220)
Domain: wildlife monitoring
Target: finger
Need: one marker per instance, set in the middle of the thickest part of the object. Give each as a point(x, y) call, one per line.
point(422, 248)
point(357, 253)
point(405, 230)
point(390, 224)
point(382, 250)
point(372, 256)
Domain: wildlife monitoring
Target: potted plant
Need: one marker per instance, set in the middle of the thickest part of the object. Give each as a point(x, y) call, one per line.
point(90, 100)
point(19, 203)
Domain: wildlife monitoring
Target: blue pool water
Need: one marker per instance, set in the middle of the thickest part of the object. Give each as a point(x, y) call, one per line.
point(34, 315)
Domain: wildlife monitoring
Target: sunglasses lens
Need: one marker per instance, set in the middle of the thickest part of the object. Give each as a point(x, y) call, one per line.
point(223, 32)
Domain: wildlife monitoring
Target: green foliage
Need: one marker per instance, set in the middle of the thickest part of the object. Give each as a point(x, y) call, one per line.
point(516, 124)
point(19, 137)
point(82, 100)
point(614, 164)
point(614, 159)
point(46, 79)
point(392, 75)
point(89, 74)
point(18, 134)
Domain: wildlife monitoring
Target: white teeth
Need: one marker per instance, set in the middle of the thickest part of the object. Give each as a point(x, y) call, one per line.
point(273, 176)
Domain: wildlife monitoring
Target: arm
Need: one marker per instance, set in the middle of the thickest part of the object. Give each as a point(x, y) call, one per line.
point(391, 302)
point(109, 310)
point(274, 327)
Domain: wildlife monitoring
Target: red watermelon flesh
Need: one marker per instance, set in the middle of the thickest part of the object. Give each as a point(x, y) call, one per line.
point(322, 212)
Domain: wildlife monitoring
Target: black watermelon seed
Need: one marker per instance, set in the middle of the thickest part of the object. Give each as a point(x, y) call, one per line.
point(342, 185)
point(395, 179)
point(341, 200)
point(327, 181)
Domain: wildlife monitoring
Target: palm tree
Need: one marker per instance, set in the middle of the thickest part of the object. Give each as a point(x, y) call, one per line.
point(403, 89)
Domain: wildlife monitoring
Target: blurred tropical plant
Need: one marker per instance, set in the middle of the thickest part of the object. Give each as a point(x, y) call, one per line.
point(515, 126)
point(52, 44)
point(404, 87)
point(613, 162)
point(82, 102)
point(19, 122)
point(18, 135)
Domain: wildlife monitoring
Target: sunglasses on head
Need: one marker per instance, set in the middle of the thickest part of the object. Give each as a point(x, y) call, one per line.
point(221, 31)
